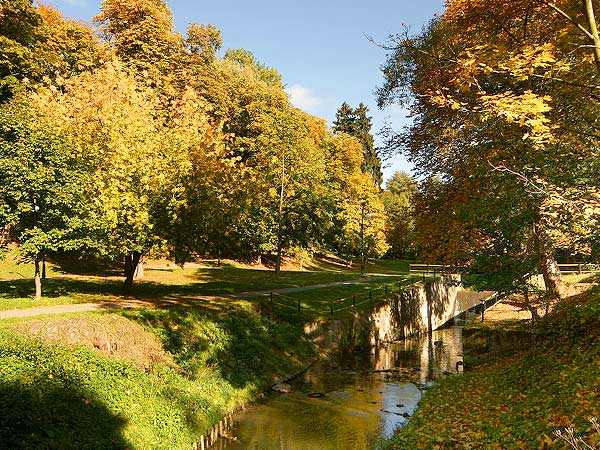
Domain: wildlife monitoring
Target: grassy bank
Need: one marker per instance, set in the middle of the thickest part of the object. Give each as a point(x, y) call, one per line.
point(54, 395)
point(518, 399)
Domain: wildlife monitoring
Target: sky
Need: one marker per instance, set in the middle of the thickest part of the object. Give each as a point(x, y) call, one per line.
point(321, 48)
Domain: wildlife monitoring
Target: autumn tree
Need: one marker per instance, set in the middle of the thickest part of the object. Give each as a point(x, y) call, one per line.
point(141, 32)
point(359, 223)
point(503, 95)
point(112, 121)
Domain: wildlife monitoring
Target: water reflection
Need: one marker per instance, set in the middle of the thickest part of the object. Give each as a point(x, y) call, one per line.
point(365, 396)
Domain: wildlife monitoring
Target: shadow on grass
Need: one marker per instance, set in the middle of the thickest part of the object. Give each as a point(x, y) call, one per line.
point(247, 348)
point(209, 281)
point(49, 415)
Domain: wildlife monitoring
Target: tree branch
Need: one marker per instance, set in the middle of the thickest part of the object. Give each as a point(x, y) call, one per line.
point(569, 18)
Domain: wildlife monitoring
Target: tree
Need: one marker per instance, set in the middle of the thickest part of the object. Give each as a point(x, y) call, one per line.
point(67, 47)
point(42, 183)
point(39, 47)
point(19, 34)
point(203, 41)
point(398, 200)
point(294, 166)
point(501, 98)
point(355, 122)
point(141, 32)
point(116, 126)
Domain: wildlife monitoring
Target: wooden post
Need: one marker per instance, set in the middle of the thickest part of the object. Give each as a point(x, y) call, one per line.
point(271, 297)
point(299, 305)
point(482, 311)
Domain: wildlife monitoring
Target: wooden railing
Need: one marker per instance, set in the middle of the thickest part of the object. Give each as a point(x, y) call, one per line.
point(442, 269)
point(286, 304)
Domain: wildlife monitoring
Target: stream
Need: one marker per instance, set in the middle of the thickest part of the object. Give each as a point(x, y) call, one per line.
point(349, 402)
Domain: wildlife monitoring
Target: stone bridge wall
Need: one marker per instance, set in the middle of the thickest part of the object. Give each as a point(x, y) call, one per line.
point(405, 314)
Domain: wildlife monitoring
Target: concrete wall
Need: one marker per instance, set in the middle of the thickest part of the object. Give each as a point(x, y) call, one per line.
point(403, 315)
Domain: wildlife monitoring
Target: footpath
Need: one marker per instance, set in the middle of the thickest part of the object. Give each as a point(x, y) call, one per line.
point(165, 302)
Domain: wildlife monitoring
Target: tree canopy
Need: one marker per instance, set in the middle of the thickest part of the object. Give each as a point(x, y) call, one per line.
point(145, 142)
point(504, 100)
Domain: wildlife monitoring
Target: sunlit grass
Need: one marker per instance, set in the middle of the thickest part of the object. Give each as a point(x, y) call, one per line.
point(167, 280)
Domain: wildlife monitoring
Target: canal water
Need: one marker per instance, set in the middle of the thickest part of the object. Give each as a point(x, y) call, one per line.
point(350, 402)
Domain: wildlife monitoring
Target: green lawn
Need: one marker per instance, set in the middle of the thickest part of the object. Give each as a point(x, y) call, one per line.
point(62, 287)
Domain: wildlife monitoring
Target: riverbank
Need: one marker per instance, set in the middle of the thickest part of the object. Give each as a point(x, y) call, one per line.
point(517, 398)
point(143, 379)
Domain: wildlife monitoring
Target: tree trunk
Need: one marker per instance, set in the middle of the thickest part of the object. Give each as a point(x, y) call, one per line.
point(131, 262)
point(548, 265)
point(278, 260)
point(280, 226)
point(591, 18)
point(37, 279)
point(139, 269)
point(43, 266)
point(531, 308)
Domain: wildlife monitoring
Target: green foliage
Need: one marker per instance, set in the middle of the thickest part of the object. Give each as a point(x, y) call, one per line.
point(398, 200)
point(230, 341)
point(355, 122)
point(57, 397)
point(19, 22)
point(41, 180)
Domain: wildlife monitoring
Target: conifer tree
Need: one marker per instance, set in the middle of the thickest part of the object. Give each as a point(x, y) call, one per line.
point(355, 122)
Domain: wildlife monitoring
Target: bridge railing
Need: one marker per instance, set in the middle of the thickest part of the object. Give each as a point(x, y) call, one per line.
point(579, 268)
point(445, 269)
point(282, 304)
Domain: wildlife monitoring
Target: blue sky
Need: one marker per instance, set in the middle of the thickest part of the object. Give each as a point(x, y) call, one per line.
point(320, 47)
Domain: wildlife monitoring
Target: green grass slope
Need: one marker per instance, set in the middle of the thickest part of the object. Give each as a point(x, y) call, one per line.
point(58, 397)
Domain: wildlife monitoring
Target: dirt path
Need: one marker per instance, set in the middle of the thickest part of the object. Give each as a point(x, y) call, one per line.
point(166, 302)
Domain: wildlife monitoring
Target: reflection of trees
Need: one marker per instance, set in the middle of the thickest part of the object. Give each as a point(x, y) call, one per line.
point(347, 418)
point(300, 423)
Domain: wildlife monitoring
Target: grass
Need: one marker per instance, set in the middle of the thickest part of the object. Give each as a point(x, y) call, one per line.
point(345, 299)
point(53, 396)
point(518, 399)
point(62, 287)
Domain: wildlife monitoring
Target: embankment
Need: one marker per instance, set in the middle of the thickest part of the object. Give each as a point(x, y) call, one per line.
point(520, 396)
point(84, 382)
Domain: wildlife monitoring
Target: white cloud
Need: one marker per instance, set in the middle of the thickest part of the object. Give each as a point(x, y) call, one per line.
point(78, 3)
point(303, 98)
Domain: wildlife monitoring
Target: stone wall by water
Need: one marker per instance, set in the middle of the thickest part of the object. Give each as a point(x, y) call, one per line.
point(404, 314)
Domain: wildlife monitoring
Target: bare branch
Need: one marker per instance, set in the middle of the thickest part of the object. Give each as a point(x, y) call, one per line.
point(569, 18)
